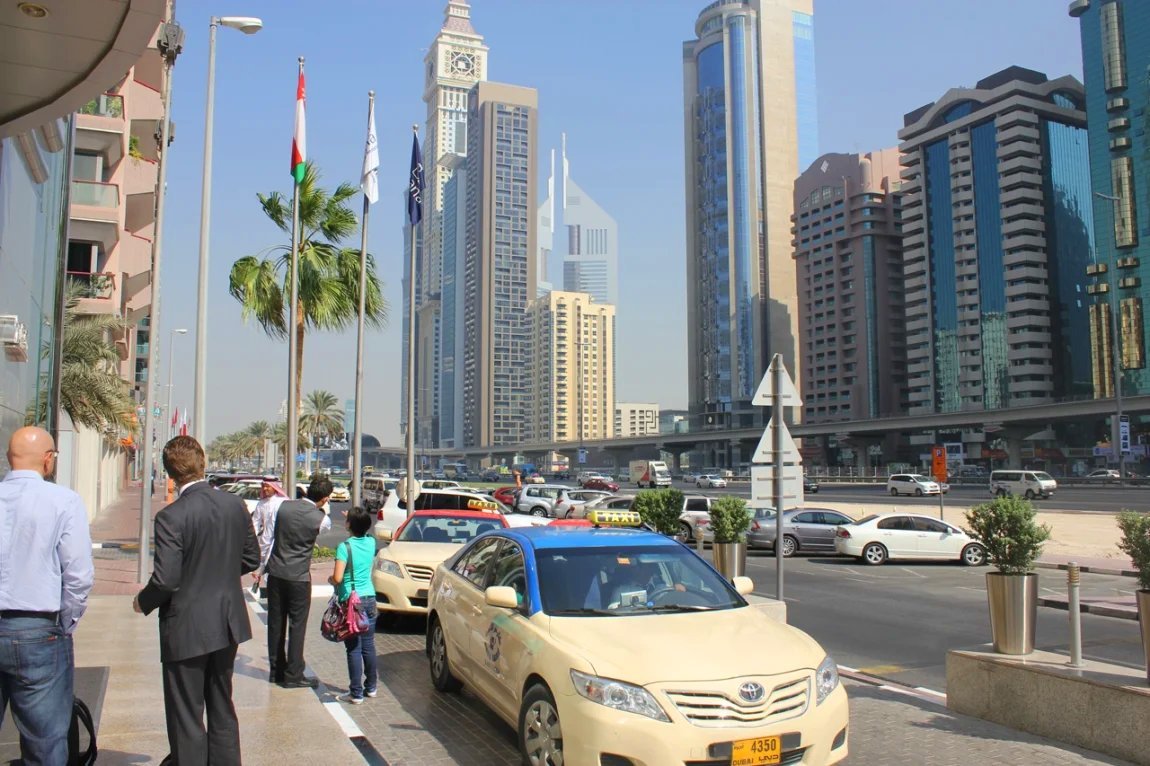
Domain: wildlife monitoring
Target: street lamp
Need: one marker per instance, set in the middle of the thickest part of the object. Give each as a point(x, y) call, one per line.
point(1115, 342)
point(171, 364)
point(249, 25)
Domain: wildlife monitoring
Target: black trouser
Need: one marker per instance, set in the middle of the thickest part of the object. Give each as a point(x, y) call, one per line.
point(189, 686)
point(289, 602)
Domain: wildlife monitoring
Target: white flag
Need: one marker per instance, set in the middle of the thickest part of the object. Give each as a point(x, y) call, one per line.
point(370, 181)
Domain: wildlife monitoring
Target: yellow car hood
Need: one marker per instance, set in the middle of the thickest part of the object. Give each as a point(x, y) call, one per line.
point(681, 646)
point(428, 554)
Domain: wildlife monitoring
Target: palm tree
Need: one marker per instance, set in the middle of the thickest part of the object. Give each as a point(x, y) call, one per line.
point(91, 389)
point(321, 417)
point(260, 431)
point(328, 274)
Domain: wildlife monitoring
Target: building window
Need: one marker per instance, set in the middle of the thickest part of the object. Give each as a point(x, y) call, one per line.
point(1130, 314)
point(1113, 50)
point(1122, 187)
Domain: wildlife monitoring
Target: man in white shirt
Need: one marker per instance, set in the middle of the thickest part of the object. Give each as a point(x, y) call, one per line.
point(264, 519)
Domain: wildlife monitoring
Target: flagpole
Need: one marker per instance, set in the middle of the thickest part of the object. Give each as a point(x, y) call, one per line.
point(292, 399)
point(357, 429)
point(410, 479)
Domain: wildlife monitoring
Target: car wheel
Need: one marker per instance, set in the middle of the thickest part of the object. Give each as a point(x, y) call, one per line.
point(918, 492)
point(685, 532)
point(539, 511)
point(790, 545)
point(441, 677)
point(974, 555)
point(699, 484)
point(874, 554)
point(894, 491)
point(540, 735)
point(1029, 494)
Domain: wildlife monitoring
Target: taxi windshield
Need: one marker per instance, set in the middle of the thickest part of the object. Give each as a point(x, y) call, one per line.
point(445, 528)
point(629, 581)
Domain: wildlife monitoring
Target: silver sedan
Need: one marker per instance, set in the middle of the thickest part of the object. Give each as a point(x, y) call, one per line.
point(804, 529)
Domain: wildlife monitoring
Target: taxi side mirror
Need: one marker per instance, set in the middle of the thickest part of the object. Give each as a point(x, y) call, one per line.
point(744, 586)
point(383, 534)
point(501, 596)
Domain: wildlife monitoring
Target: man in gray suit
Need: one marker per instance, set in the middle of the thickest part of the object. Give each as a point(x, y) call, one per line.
point(205, 543)
point(298, 524)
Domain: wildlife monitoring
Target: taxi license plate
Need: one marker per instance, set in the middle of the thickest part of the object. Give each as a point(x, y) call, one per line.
point(761, 751)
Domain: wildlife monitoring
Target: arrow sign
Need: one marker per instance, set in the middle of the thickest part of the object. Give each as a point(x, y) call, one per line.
point(788, 394)
point(764, 453)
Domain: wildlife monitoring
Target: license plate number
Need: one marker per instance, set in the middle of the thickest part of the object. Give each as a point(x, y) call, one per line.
point(761, 751)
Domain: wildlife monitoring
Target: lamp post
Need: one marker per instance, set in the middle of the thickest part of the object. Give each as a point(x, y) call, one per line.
point(171, 363)
point(1115, 343)
point(249, 26)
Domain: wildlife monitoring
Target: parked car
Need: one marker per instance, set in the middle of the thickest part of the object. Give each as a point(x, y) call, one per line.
point(438, 483)
point(759, 518)
point(804, 529)
point(569, 498)
point(1103, 474)
point(711, 481)
point(538, 500)
point(1029, 484)
point(601, 483)
point(875, 539)
point(374, 491)
point(505, 495)
point(810, 485)
point(912, 484)
point(696, 515)
point(607, 503)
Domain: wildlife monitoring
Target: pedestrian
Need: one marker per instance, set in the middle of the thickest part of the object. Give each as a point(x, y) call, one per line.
point(298, 524)
point(204, 543)
point(361, 661)
point(45, 576)
point(272, 496)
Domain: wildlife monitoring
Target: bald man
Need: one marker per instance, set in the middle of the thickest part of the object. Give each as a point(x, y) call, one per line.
point(45, 575)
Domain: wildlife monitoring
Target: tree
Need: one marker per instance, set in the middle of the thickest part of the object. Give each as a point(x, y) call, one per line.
point(260, 431)
point(321, 418)
point(91, 389)
point(328, 274)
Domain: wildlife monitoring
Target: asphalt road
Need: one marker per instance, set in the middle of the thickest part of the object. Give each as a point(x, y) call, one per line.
point(898, 621)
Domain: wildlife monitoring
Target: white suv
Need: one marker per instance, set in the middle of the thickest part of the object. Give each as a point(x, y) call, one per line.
point(912, 484)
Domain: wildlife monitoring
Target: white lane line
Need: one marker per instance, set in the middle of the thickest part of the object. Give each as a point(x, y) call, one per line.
point(911, 571)
point(848, 669)
point(925, 690)
point(335, 709)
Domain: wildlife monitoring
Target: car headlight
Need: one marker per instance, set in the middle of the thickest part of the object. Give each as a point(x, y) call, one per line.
point(387, 566)
point(618, 695)
point(826, 679)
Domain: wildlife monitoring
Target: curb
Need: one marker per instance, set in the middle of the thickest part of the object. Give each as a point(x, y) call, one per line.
point(1089, 569)
point(921, 693)
point(1102, 610)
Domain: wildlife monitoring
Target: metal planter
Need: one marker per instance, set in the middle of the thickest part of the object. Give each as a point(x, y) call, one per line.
point(730, 559)
point(1143, 598)
point(1013, 603)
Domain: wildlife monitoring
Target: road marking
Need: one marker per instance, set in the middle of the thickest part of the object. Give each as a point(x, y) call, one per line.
point(345, 721)
point(925, 690)
point(848, 668)
point(881, 670)
point(911, 571)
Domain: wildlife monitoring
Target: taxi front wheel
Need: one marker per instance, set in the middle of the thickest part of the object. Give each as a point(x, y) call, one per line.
point(540, 736)
point(441, 677)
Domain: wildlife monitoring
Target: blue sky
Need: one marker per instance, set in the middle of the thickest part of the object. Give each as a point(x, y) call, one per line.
point(608, 72)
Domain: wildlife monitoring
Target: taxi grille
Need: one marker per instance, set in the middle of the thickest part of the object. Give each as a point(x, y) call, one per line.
point(715, 709)
point(419, 573)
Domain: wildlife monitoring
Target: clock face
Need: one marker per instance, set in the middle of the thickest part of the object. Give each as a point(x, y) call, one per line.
point(462, 64)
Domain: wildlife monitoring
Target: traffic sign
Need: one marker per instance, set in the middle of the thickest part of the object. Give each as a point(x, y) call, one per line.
point(582, 455)
point(788, 394)
point(155, 412)
point(938, 462)
point(764, 453)
point(763, 487)
point(1124, 433)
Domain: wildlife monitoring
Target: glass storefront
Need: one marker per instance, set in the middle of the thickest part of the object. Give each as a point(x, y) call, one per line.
point(33, 225)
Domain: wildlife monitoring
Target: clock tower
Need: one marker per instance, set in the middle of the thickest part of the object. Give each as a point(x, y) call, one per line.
point(455, 61)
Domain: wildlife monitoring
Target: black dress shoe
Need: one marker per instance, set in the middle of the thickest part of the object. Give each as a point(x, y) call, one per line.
point(305, 683)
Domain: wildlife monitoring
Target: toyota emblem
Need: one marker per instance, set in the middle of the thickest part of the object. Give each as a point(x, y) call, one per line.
point(751, 691)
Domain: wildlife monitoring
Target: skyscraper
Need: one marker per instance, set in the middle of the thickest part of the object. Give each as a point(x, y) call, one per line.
point(1115, 65)
point(499, 263)
point(452, 301)
point(591, 264)
point(455, 61)
point(997, 221)
point(749, 120)
point(546, 235)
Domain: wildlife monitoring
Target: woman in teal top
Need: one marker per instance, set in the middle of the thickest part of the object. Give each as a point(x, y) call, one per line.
point(361, 661)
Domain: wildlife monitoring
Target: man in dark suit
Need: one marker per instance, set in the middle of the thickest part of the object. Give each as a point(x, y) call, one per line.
point(298, 524)
point(204, 543)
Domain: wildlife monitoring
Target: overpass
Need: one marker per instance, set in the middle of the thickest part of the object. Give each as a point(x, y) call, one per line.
point(1013, 422)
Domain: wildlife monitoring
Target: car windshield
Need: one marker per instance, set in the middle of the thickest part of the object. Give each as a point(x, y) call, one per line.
point(919, 477)
point(616, 582)
point(865, 519)
point(445, 528)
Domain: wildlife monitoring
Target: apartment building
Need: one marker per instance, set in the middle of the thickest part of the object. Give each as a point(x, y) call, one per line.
point(635, 419)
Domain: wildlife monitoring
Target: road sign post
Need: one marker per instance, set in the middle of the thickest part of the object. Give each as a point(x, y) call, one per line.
point(938, 469)
point(784, 473)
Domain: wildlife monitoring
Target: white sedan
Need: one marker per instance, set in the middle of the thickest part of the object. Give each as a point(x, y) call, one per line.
point(875, 539)
point(711, 480)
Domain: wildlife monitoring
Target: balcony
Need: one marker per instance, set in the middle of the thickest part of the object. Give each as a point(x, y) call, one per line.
point(95, 213)
point(100, 128)
point(96, 292)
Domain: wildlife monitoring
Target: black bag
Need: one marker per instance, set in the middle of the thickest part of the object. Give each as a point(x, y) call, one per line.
point(81, 721)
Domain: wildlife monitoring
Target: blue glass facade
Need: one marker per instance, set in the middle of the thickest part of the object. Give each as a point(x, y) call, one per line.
point(991, 272)
point(942, 275)
point(449, 308)
point(743, 216)
point(806, 93)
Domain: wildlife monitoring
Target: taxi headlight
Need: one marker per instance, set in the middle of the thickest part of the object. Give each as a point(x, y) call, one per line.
point(618, 695)
point(387, 566)
point(826, 678)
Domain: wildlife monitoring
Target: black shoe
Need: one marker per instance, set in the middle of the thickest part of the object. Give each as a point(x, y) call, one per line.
point(304, 683)
point(274, 679)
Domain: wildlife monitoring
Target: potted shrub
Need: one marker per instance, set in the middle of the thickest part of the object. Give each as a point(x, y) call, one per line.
point(1135, 543)
point(660, 509)
point(729, 524)
point(1013, 539)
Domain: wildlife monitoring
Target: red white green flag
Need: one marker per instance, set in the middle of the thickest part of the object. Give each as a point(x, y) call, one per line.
point(299, 141)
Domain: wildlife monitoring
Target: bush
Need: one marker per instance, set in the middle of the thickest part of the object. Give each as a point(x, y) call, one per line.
point(730, 520)
point(660, 508)
point(1135, 543)
point(1006, 527)
point(321, 553)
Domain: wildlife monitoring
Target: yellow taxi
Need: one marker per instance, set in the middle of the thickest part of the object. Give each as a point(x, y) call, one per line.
point(403, 567)
point(609, 645)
